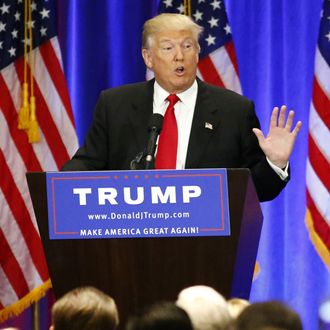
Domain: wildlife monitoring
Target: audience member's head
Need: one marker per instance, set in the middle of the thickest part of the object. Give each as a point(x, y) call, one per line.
point(85, 308)
point(236, 306)
point(207, 309)
point(271, 315)
point(161, 316)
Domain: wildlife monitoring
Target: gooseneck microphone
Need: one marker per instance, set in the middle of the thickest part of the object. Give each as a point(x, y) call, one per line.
point(154, 128)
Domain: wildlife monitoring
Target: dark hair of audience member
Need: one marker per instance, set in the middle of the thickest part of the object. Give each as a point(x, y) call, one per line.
point(85, 308)
point(270, 315)
point(160, 316)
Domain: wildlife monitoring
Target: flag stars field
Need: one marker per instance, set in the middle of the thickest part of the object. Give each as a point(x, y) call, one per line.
point(168, 3)
point(213, 22)
point(2, 26)
point(181, 9)
point(210, 40)
point(14, 34)
point(12, 51)
point(328, 36)
point(43, 31)
point(198, 16)
point(33, 6)
point(44, 13)
point(17, 16)
point(215, 4)
point(227, 28)
point(4, 9)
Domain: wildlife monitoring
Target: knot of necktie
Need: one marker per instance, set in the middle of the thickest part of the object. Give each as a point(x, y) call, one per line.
point(172, 98)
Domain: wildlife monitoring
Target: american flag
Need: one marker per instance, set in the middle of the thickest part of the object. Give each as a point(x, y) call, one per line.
point(318, 163)
point(217, 64)
point(23, 272)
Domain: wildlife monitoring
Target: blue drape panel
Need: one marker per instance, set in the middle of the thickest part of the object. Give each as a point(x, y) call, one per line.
point(101, 43)
point(275, 42)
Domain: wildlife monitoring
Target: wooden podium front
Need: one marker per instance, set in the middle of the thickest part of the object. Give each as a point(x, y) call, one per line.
point(140, 271)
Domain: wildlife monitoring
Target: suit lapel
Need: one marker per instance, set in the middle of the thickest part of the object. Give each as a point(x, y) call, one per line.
point(142, 109)
point(205, 122)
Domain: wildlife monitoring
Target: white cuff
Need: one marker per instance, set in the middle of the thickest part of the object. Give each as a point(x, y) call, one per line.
point(283, 174)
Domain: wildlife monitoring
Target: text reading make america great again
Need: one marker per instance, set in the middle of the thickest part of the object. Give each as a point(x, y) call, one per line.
point(130, 204)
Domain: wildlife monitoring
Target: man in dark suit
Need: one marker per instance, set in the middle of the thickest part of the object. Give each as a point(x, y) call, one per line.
point(216, 127)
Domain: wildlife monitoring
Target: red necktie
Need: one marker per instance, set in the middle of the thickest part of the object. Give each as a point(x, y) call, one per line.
point(168, 138)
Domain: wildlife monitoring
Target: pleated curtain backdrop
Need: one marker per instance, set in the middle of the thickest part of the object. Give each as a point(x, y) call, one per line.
point(275, 43)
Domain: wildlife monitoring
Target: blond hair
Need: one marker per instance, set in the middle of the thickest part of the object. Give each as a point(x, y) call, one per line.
point(85, 308)
point(236, 306)
point(165, 22)
point(206, 307)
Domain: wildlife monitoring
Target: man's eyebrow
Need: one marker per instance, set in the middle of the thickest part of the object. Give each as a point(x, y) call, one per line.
point(171, 40)
point(166, 40)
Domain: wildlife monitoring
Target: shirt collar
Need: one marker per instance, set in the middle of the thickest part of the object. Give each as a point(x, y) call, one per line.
point(160, 94)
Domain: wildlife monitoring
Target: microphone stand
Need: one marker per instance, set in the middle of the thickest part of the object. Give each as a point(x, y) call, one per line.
point(151, 148)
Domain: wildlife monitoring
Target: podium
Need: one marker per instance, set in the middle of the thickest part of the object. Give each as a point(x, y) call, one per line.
point(139, 271)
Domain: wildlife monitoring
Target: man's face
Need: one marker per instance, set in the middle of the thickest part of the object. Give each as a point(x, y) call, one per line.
point(173, 57)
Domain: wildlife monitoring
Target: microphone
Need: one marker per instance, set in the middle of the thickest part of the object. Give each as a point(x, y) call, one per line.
point(154, 128)
point(137, 162)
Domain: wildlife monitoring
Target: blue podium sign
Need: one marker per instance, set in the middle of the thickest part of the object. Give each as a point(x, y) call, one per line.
point(135, 204)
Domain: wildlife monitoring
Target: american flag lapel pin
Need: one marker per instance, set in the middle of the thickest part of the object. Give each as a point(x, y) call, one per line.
point(208, 125)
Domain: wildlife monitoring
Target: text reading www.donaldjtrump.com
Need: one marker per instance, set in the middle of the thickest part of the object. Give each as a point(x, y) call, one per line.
point(139, 216)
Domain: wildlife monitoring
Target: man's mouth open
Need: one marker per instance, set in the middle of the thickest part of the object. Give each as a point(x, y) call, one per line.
point(179, 70)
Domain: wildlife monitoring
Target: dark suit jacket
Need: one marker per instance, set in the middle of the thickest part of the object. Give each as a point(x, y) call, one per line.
point(120, 131)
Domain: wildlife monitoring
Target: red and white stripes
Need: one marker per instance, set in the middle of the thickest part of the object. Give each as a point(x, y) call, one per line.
point(23, 272)
point(220, 68)
point(318, 162)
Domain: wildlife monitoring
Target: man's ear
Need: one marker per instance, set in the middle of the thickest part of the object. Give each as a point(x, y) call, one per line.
point(146, 54)
point(198, 52)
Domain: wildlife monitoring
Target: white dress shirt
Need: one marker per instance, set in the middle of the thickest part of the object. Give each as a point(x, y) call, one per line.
point(184, 112)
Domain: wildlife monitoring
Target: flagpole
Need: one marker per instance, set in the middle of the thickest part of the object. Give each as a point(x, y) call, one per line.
point(36, 315)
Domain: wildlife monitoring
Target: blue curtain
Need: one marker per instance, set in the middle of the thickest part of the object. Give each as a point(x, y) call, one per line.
point(275, 42)
point(101, 43)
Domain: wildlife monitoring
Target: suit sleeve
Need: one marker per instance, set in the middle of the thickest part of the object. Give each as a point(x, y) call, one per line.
point(93, 154)
point(268, 184)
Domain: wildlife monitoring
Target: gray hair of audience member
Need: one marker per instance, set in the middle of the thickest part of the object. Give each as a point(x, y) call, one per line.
point(160, 316)
point(165, 22)
point(85, 308)
point(236, 306)
point(207, 308)
point(268, 315)
point(270, 328)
